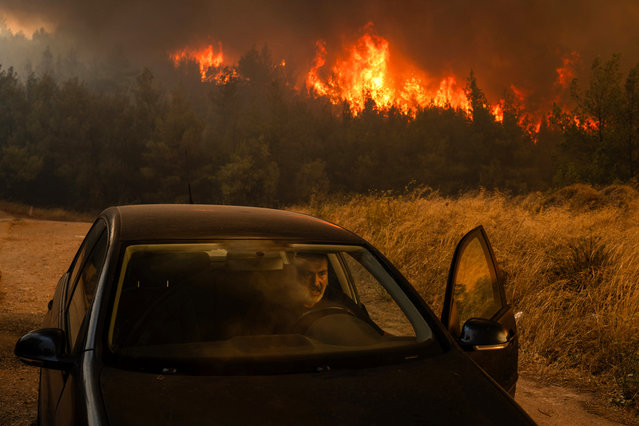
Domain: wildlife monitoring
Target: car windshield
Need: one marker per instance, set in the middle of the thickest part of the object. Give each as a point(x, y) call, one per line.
point(253, 300)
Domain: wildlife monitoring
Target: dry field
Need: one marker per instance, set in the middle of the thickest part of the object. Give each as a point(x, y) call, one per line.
point(570, 265)
point(570, 259)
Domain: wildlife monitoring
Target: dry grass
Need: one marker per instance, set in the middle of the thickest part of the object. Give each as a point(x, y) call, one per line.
point(571, 262)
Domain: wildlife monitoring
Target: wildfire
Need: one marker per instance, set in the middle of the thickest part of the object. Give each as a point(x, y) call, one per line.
point(364, 72)
point(206, 57)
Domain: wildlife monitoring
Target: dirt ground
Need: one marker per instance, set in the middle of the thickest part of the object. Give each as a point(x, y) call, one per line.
point(34, 254)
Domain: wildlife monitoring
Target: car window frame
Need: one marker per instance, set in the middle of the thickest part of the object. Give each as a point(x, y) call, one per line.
point(89, 244)
point(450, 317)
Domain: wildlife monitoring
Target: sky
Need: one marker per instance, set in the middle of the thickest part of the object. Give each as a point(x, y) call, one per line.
point(504, 42)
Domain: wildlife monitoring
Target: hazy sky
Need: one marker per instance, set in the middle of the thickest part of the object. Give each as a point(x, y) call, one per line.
point(503, 41)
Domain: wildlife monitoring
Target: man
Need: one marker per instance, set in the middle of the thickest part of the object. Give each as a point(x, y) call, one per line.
point(312, 276)
point(329, 304)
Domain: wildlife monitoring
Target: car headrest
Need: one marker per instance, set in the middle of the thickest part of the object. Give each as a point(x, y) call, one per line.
point(155, 269)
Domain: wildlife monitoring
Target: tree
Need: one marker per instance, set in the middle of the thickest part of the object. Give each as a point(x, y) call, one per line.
point(597, 133)
point(257, 66)
point(630, 123)
point(173, 157)
point(251, 176)
point(600, 103)
point(13, 104)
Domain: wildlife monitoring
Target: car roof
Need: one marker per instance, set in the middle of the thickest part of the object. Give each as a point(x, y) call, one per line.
point(201, 222)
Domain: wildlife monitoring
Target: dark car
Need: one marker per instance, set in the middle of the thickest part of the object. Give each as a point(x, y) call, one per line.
point(197, 314)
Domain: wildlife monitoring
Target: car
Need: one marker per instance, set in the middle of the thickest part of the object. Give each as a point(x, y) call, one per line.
point(204, 314)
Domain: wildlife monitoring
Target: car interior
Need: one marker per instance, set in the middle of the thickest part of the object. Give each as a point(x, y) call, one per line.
point(176, 295)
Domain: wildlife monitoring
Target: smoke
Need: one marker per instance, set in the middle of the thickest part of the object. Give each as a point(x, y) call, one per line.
point(505, 43)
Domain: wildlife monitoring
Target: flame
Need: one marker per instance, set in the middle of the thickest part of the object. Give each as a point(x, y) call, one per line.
point(449, 94)
point(206, 57)
point(364, 72)
point(498, 112)
point(362, 75)
point(313, 80)
point(566, 72)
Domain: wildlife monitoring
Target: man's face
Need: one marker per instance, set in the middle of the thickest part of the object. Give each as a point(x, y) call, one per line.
point(312, 274)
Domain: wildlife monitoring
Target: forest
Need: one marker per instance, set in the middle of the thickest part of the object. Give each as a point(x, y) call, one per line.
point(252, 137)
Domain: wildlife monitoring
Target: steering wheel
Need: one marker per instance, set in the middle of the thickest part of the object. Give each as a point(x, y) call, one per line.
point(304, 321)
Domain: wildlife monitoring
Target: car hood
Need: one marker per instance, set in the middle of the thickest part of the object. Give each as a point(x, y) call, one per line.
point(442, 389)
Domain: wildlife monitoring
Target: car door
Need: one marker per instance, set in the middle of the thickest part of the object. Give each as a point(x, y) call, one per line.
point(476, 311)
point(72, 300)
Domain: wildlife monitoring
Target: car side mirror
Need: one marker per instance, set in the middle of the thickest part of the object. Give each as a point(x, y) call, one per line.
point(481, 334)
point(45, 347)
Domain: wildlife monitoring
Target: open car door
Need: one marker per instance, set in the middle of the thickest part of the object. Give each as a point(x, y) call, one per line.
point(476, 311)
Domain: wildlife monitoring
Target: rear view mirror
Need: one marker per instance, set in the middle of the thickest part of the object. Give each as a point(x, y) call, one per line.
point(481, 334)
point(45, 347)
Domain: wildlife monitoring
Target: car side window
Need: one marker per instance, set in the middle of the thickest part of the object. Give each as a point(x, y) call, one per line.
point(84, 251)
point(476, 292)
point(379, 305)
point(84, 283)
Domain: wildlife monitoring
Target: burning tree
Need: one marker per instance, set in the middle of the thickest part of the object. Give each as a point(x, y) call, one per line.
point(601, 134)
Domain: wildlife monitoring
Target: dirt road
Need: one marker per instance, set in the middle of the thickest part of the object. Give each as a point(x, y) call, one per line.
point(34, 254)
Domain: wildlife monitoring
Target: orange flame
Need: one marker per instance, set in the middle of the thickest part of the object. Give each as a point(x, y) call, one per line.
point(364, 72)
point(498, 113)
point(449, 94)
point(313, 80)
point(362, 75)
point(566, 72)
point(206, 57)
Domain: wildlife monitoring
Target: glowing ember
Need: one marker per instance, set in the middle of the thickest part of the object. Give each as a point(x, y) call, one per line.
point(588, 123)
point(207, 58)
point(498, 113)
